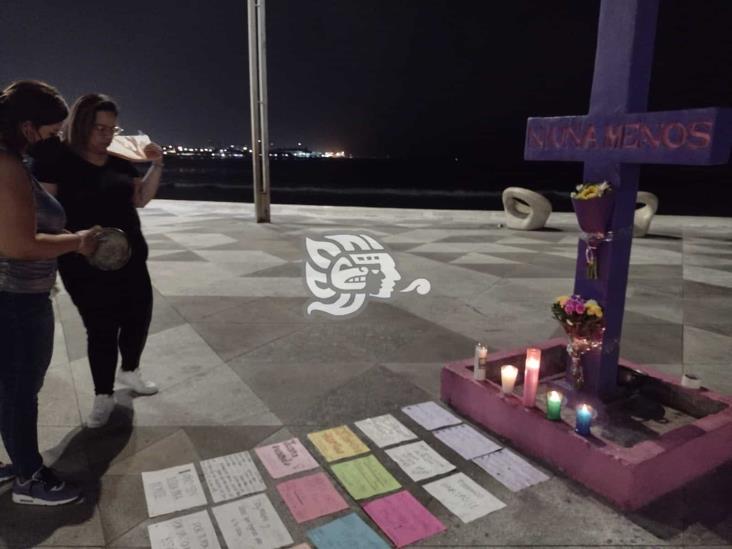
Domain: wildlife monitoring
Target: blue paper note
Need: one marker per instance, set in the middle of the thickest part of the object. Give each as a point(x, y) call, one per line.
point(349, 531)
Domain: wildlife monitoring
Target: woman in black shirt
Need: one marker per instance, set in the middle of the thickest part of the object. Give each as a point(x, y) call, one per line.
point(116, 306)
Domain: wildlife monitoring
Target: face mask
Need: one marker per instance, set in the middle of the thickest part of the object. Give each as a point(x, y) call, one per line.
point(46, 150)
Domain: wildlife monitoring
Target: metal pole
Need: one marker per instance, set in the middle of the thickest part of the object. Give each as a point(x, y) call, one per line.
point(263, 97)
point(258, 107)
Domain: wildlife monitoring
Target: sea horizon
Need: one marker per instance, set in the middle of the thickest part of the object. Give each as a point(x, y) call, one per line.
point(435, 183)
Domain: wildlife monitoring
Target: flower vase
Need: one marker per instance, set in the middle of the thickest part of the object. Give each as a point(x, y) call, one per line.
point(594, 216)
point(582, 338)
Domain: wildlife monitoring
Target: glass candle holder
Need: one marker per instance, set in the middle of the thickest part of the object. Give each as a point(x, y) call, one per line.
point(508, 378)
point(479, 362)
point(554, 405)
point(583, 420)
point(531, 376)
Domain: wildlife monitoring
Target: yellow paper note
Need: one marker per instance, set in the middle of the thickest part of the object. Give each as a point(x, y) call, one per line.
point(365, 477)
point(338, 443)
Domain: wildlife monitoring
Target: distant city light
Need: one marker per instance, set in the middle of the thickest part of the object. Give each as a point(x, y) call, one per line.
point(241, 151)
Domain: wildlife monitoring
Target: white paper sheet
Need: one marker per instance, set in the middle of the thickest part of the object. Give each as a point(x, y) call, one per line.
point(251, 523)
point(194, 531)
point(466, 441)
point(130, 147)
point(232, 476)
point(463, 497)
point(419, 461)
point(430, 416)
point(173, 489)
point(385, 430)
point(511, 470)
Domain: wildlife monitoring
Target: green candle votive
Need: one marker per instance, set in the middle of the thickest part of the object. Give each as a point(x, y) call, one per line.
point(554, 405)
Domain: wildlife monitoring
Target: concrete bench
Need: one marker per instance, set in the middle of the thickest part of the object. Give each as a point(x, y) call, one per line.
point(525, 210)
point(644, 214)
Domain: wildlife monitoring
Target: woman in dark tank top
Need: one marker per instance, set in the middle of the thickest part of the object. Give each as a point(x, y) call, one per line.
point(31, 238)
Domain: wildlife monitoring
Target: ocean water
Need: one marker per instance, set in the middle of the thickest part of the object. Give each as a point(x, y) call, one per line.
point(433, 183)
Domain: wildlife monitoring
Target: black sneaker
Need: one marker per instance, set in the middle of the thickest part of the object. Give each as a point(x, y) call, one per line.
point(7, 472)
point(44, 488)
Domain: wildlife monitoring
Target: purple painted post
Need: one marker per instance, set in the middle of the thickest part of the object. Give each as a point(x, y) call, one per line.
point(612, 140)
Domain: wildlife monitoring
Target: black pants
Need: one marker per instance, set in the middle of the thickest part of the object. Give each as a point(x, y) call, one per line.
point(117, 316)
point(26, 345)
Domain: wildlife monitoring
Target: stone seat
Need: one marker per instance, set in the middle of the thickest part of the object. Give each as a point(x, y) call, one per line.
point(644, 214)
point(525, 210)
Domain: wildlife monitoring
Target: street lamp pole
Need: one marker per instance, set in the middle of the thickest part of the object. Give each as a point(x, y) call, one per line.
point(258, 103)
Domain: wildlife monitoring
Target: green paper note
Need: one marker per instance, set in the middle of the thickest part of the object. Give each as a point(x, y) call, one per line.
point(365, 477)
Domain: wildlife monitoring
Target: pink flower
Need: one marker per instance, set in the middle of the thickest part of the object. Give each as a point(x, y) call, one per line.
point(579, 308)
point(569, 307)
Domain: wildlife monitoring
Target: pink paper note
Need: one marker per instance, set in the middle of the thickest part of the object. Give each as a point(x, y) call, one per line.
point(311, 497)
point(286, 458)
point(403, 519)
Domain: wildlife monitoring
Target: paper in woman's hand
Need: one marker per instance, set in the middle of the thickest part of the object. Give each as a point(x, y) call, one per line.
point(130, 147)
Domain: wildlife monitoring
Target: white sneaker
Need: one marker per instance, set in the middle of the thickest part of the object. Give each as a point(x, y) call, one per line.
point(102, 409)
point(134, 380)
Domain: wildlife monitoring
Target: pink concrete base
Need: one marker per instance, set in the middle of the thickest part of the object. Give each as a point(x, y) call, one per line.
point(628, 477)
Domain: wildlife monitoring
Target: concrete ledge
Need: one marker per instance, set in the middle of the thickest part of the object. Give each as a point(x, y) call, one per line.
point(630, 477)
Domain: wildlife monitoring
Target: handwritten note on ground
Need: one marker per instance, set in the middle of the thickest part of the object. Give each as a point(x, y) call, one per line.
point(311, 497)
point(514, 472)
point(286, 458)
point(403, 519)
point(466, 441)
point(419, 461)
point(251, 523)
point(232, 476)
point(173, 489)
point(194, 531)
point(430, 416)
point(349, 531)
point(464, 497)
point(365, 477)
point(338, 443)
point(385, 430)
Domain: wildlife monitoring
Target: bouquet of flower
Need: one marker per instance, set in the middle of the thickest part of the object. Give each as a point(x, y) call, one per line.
point(587, 191)
point(594, 204)
point(576, 311)
point(582, 320)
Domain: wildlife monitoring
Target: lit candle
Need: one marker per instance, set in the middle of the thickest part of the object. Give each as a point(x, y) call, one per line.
point(531, 376)
point(554, 405)
point(479, 362)
point(508, 378)
point(584, 419)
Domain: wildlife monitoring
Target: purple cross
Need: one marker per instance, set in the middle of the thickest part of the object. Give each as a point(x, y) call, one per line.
point(612, 141)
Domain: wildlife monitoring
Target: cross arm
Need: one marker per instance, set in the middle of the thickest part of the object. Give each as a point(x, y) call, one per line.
point(692, 137)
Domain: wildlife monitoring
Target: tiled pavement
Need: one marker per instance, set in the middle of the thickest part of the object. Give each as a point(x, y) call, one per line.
point(240, 365)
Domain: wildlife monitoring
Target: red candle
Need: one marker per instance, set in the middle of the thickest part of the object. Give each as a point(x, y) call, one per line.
point(531, 376)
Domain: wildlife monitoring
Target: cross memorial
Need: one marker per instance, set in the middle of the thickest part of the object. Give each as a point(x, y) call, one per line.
point(612, 141)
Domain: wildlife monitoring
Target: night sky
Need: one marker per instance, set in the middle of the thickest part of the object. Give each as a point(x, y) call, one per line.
point(373, 77)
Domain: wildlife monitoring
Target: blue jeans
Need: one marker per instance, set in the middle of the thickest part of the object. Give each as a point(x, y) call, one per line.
point(26, 346)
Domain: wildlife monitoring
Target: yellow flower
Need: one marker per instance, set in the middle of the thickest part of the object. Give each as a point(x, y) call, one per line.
point(592, 303)
point(562, 299)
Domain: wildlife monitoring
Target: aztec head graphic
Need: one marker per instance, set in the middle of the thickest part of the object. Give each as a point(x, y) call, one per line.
point(343, 271)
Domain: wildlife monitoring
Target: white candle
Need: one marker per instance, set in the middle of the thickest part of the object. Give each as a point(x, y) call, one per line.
point(508, 378)
point(479, 360)
point(531, 376)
